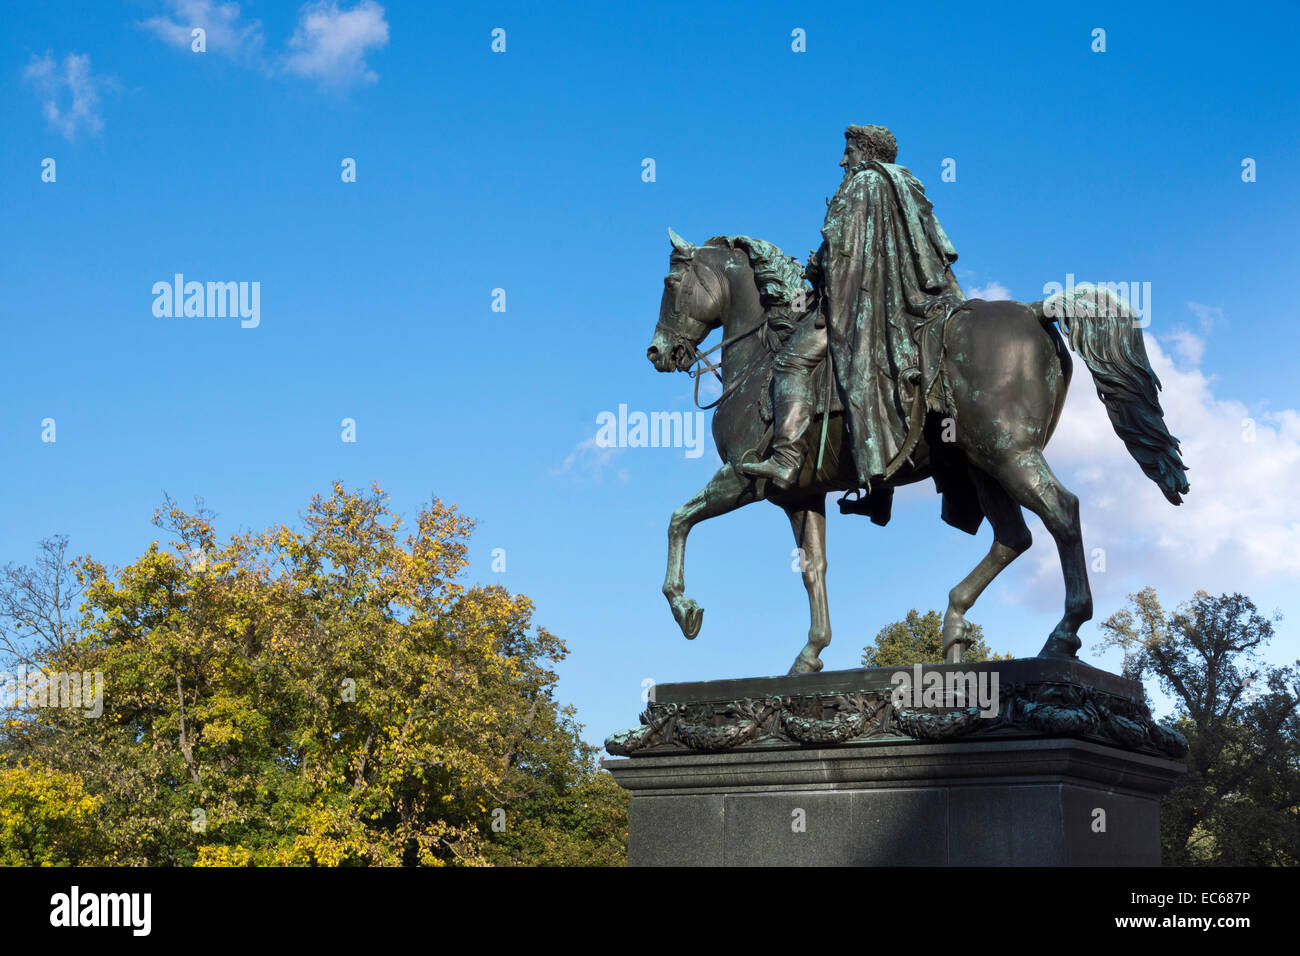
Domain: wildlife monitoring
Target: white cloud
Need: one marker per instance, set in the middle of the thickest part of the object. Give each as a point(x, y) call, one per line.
point(1238, 527)
point(993, 292)
point(330, 44)
point(1208, 315)
point(590, 459)
point(69, 92)
point(225, 32)
point(1189, 346)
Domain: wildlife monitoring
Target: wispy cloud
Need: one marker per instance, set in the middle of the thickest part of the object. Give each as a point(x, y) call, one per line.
point(225, 31)
point(993, 292)
point(69, 92)
point(1208, 315)
point(330, 44)
point(591, 460)
point(1189, 346)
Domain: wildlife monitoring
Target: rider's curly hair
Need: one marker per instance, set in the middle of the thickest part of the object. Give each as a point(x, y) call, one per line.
point(876, 142)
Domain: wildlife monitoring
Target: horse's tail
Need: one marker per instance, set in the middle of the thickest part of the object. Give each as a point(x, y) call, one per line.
point(1100, 328)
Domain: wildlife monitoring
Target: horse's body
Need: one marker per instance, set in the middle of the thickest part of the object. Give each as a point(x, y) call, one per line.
point(1007, 371)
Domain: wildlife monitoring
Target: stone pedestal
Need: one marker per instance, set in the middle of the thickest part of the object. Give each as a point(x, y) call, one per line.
point(1065, 770)
point(997, 803)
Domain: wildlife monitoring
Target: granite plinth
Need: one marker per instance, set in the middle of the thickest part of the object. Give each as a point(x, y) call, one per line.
point(1005, 794)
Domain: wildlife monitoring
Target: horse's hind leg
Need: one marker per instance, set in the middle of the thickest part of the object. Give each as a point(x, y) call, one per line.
point(808, 520)
point(1011, 538)
point(1027, 478)
point(726, 491)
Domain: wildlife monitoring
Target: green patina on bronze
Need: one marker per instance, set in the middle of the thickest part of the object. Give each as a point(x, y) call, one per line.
point(911, 382)
point(885, 258)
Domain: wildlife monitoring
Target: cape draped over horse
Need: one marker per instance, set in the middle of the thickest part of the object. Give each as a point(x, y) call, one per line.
point(1004, 371)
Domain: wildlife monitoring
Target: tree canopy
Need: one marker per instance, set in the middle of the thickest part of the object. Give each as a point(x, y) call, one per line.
point(330, 694)
point(1239, 803)
point(918, 639)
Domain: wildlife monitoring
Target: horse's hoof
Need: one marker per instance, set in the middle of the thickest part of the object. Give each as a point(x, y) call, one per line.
point(805, 665)
point(1061, 649)
point(692, 621)
point(955, 632)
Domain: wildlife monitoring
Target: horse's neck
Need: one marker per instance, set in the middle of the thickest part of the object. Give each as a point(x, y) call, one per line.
point(743, 312)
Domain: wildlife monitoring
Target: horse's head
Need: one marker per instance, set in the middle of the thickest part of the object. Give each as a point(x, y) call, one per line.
point(693, 304)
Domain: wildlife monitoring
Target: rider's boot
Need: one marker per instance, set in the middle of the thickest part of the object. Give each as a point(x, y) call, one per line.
point(794, 407)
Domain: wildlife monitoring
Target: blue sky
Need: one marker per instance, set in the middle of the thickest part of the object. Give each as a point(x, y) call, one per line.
point(522, 170)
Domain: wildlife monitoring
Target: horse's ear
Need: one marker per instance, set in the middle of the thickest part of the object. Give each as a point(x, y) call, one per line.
point(680, 244)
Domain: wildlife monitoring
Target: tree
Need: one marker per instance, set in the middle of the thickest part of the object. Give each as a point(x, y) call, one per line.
point(585, 825)
point(38, 607)
point(1239, 803)
point(918, 639)
point(327, 695)
point(46, 817)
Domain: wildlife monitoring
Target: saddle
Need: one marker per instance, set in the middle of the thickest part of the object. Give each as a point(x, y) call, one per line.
point(920, 389)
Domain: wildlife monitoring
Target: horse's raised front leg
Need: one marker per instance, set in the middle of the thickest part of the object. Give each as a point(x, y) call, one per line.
point(725, 492)
point(808, 520)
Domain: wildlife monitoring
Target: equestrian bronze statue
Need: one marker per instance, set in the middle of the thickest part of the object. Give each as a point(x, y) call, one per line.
point(867, 369)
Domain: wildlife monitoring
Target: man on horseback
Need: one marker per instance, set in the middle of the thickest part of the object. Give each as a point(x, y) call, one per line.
point(886, 283)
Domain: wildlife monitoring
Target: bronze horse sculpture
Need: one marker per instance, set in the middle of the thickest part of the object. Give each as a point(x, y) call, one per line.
point(1006, 370)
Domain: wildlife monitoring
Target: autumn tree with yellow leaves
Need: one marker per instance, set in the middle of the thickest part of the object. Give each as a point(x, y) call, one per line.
point(326, 695)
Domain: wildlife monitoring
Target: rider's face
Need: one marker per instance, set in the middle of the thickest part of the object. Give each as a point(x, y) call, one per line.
point(852, 156)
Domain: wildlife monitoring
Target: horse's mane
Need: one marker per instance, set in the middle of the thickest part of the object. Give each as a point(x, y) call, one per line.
point(779, 277)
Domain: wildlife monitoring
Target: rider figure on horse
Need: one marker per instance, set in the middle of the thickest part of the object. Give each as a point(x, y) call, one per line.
point(885, 281)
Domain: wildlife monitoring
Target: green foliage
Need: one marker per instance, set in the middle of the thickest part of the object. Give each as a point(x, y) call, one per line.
point(584, 826)
point(46, 817)
point(1239, 804)
point(323, 696)
point(918, 639)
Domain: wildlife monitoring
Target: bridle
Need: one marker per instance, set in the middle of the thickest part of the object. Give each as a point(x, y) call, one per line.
point(700, 364)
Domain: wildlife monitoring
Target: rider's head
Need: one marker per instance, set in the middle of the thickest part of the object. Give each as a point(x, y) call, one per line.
point(866, 143)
